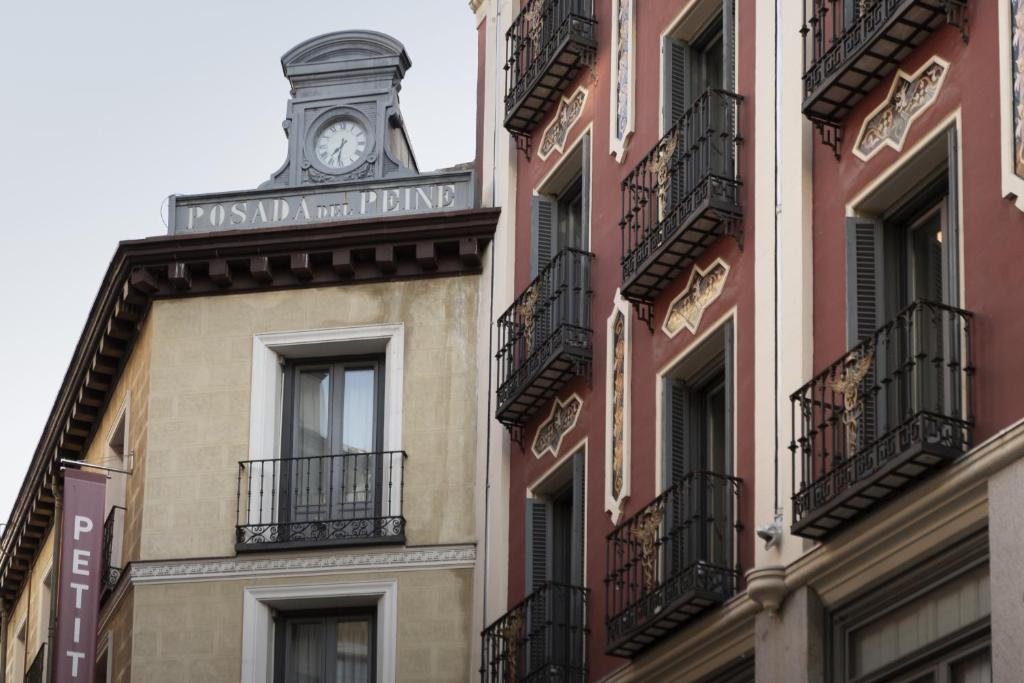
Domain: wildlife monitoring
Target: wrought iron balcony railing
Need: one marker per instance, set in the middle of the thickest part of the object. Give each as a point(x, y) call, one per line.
point(37, 671)
point(347, 499)
point(681, 196)
point(882, 417)
point(547, 44)
point(850, 46)
point(671, 561)
point(543, 638)
point(545, 338)
point(113, 543)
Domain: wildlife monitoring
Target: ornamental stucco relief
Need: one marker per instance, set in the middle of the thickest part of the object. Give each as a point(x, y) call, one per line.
point(909, 96)
point(569, 111)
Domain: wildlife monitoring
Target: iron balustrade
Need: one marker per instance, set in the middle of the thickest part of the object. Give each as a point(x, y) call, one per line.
point(681, 196)
point(113, 539)
point(545, 336)
point(671, 561)
point(543, 638)
point(36, 672)
point(888, 412)
point(349, 498)
point(545, 46)
point(849, 46)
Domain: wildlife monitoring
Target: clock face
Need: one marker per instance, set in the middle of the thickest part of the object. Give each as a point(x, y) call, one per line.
point(341, 143)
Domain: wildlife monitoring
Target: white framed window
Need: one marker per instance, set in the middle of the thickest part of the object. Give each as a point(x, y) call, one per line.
point(260, 604)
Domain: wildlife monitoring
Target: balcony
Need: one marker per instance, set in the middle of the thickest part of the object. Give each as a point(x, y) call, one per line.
point(330, 500)
point(850, 46)
point(36, 672)
point(113, 542)
point(681, 196)
point(543, 638)
point(547, 44)
point(544, 338)
point(671, 561)
point(881, 418)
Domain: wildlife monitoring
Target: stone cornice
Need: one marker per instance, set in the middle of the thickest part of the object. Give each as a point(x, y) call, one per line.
point(231, 568)
point(442, 244)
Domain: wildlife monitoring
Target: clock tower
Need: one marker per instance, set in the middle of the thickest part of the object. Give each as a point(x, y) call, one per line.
point(343, 122)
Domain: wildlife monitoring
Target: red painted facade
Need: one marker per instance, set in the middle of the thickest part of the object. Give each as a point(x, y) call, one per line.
point(992, 230)
point(651, 351)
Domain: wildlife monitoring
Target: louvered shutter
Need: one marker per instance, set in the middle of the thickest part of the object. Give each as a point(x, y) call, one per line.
point(865, 279)
point(677, 440)
point(729, 43)
point(677, 99)
point(543, 222)
point(585, 193)
point(538, 543)
point(579, 517)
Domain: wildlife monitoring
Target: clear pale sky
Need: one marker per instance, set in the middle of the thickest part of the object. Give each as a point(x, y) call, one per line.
point(107, 107)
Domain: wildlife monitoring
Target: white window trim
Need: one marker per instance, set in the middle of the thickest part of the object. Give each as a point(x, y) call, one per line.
point(258, 625)
point(1012, 184)
point(265, 410)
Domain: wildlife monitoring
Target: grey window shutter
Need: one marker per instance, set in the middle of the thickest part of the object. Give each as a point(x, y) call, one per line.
point(538, 543)
point(679, 437)
point(544, 220)
point(951, 234)
point(585, 192)
point(864, 279)
point(579, 516)
point(730, 400)
point(676, 98)
point(729, 43)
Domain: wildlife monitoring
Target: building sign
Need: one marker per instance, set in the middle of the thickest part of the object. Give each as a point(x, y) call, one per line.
point(623, 78)
point(559, 423)
point(78, 595)
point(909, 96)
point(701, 290)
point(308, 204)
point(616, 488)
point(569, 111)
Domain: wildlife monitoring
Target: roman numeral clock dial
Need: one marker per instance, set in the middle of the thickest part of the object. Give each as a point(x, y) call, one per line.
point(341, 143)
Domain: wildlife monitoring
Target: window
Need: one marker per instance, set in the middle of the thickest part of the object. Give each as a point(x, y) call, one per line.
point(331, 436)
point(904, 246)
point(555, 527)
point(117, 458)
point(317, 647)
point(698, 57)
point(699, 439)
point(930, 626)
point(561, 209)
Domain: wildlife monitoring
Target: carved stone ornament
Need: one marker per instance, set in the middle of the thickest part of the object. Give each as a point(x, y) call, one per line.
point(569, 111)
point(646, 532)
point(513, 635)
point(908, 98)
point(702, 289)
point(855, 368)
point(623, 77)
point(617, 402)
point(560, 422)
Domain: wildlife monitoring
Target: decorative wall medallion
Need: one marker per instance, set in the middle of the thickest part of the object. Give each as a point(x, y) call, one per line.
point(569, 111)
point(559, 423)
point(617, 420)
point(908, 98)
point(703, 287)
point(623, 76)
point(1017, 69)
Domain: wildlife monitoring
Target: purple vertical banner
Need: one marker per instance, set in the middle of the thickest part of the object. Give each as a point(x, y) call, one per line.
point(81, 560)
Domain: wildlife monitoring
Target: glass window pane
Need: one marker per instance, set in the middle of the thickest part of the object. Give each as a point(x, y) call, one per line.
point(305, 652)
point(926, 619)
point(358, 423)
point(353, 652)
point(312, 424)
point(976, 668)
